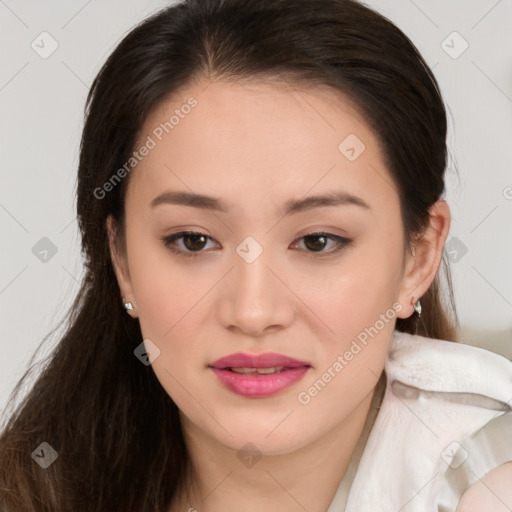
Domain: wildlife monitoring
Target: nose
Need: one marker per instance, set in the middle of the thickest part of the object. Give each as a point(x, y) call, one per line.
point(256, 298)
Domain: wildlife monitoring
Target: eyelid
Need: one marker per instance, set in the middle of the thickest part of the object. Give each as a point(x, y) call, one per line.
point(167, 240)
point(341, 241)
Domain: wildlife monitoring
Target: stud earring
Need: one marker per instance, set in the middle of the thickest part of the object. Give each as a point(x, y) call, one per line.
point(127, 305)
point(417, 306)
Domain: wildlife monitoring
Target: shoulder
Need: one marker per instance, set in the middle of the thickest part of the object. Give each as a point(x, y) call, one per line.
point(492, 492)
point(477, 383)
point(446, 366)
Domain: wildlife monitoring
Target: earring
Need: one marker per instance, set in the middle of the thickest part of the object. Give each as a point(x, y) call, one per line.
point(417, 307)
point(127, 305)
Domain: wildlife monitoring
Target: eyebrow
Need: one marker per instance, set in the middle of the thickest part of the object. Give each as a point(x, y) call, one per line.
point(339, 198)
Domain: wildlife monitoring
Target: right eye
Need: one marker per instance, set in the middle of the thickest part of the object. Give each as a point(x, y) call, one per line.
point(193, 242)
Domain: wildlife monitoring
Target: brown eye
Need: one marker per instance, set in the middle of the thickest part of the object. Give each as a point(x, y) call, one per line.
point(193, 242)
point(316, 243)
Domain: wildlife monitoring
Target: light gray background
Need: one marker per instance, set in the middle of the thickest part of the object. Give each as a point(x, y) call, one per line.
point(42, 99)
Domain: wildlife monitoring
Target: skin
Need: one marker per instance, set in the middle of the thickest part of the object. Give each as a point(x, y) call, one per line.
point(492, 492)
point(255, 146)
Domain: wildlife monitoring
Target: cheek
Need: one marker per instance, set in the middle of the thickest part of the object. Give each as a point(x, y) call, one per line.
point(354, 294)
point(360, 310)
point(336, 310)
point(340, 297)
point(164, 292)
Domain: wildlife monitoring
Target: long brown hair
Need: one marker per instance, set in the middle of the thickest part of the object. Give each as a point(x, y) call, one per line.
point(116, 431)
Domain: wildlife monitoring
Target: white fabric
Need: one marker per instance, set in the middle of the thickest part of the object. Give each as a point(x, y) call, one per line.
point(438, 393)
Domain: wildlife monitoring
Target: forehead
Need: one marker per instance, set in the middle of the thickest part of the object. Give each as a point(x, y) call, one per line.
point(270, 140)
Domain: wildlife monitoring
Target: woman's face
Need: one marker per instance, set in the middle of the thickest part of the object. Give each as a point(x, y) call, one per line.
point(254, 280)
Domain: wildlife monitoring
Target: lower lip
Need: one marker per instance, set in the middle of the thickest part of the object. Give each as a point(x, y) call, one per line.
point(259, 385)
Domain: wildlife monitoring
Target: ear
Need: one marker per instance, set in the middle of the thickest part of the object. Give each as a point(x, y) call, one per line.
point(422, 262)
point(120, 266)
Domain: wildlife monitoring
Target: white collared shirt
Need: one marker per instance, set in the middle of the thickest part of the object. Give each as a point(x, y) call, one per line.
point(444, 422)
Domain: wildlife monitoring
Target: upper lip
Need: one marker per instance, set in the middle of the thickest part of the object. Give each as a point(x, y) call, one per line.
point(266, 360)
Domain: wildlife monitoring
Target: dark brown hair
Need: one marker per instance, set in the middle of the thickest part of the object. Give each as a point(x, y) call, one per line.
point(116, 431)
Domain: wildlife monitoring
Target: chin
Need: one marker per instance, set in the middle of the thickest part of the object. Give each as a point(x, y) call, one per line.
point(260, 442)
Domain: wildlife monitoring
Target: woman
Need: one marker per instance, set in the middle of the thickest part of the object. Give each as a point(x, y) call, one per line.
point(261, 325)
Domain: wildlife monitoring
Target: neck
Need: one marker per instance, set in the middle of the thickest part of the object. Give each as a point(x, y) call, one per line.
point(305, 479)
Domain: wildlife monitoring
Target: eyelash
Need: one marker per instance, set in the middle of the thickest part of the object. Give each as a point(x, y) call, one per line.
point(341, 243)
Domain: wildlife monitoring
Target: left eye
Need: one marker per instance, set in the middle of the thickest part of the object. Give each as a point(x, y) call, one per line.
point(339, 242)
point(194, 242)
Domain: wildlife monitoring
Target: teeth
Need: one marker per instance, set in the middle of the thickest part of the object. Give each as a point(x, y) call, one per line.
point(263, 371)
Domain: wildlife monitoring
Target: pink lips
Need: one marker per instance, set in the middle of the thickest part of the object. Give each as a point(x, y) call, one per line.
point(258, 385)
